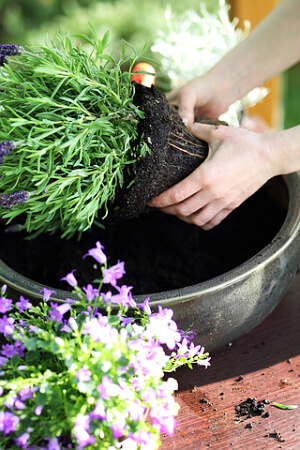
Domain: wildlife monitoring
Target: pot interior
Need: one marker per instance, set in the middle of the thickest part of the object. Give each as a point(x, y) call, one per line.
point(161, 253)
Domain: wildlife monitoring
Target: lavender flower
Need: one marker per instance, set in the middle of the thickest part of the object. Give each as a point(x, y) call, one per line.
point(6, 147)
point(10, 49)
point(8, 201)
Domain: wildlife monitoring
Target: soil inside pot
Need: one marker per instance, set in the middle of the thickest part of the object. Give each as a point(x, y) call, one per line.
point(160, 252)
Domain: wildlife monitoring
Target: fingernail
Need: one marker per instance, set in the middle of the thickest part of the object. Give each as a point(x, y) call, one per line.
point(185, 120)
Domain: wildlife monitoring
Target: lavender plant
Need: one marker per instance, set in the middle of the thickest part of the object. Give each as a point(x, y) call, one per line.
point(67, 132)
point(88, 373)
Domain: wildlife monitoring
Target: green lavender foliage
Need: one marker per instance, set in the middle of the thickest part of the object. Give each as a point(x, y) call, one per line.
point(70, 110)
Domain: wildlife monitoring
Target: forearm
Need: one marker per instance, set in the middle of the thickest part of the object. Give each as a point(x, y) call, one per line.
point(284, 148)
point(271, 47)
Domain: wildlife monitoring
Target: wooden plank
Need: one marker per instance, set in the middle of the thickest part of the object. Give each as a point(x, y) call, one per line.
point(264, 364)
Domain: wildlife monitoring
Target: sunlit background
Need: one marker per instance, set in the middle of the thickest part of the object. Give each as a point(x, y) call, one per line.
point(139, 22)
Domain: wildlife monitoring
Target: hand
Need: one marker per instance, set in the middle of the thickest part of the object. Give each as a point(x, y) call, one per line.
point(239, 162)
point(198, 98)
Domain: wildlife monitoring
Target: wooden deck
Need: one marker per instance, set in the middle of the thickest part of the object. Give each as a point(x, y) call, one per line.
point(264, 364)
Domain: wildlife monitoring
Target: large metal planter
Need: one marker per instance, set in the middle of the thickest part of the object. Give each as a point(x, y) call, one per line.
point(225, 307)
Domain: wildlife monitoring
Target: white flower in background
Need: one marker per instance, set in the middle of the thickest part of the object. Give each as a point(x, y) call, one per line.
point(192, 44)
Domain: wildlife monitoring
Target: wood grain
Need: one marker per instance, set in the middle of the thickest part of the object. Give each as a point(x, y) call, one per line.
point(264, 364)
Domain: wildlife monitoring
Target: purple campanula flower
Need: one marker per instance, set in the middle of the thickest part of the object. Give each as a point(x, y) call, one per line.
point(114, 273)
point(47, 293)
point(70, 279)
point(8, 201)
point(81, 429)
point(164, 328)
point(98, 412)
point(6, 147)
point(5, 305)
point(23, 304)
point(3, 289)
point(90, 292)
point(10, 350)
point(97, 253)
point(26, 393)
point(163, 419)
point(145, 306)
point(10, 49)
point(83, 374)
point(124, 296)
point(58, 311)
point(8, 422)
point(22, 440)
point(7, 325)
point(3, 360)
point(107, 388)
point(53, 444)
point(38, 410)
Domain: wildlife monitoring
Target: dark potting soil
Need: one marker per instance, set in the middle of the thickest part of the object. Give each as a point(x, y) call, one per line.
point(160, 252)
point(175, 152)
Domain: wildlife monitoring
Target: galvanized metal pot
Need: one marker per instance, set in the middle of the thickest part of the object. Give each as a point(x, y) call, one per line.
point(223, 308)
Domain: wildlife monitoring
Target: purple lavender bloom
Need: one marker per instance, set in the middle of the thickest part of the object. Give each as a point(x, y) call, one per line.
point(10, 49)
point(83, 374)
point(22, 440)
point(97, 253)
point(8, 201)
point(5, 305)
point(8, 422)
point(114, 273)
point(6, 147)
point(7, 325)
point(3, 60)
point(70, 279)
point(23, 304)
point(56, 315)
point(47, 293)
point(90, 292)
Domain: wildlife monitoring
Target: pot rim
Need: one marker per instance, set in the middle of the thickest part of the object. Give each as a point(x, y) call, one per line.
point(283, 239)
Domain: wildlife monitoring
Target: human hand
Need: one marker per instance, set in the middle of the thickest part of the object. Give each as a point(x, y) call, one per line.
point(199, 97)
point(239, 162)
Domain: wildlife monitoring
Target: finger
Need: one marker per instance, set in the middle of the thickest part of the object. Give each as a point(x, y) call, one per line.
point(189, 206)
point(206, 221)
point(203, 131)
